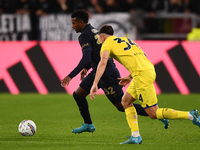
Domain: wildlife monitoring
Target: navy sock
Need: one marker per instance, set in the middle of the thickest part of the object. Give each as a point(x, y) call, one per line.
point(140, 110)
point(83, 108)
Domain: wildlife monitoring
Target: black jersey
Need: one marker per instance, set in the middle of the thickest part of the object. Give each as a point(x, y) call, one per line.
point(91, 45)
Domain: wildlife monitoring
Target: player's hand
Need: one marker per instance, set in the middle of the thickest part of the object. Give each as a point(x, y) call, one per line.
point(65, 81)
point(83, 73)
point(124, 81)
point(93, 91)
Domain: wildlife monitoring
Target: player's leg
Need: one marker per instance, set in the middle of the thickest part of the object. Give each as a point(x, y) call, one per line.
point(131, 116)
point(80, 97)
point(146, 94)
point(113, 91)
point(149, 99)
point(176, 114)
point(168, 113)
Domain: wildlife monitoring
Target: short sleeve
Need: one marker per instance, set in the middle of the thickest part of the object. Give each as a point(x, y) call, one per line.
point(107, 46)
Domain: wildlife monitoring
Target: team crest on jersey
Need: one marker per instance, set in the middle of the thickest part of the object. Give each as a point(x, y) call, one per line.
point(94, 30)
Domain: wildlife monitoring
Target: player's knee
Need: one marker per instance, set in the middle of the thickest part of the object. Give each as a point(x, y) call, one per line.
point(81, 101)
point(123, 103)
point(126, 104)
point(77, 97)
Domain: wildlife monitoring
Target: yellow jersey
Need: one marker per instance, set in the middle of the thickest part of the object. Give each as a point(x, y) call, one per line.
point(128, 53)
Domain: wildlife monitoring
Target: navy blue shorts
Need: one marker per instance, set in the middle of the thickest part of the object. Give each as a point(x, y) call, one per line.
point(108, 83)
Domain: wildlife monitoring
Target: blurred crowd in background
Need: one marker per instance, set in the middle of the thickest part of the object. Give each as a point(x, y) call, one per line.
point(43, 7)
point(138, 10)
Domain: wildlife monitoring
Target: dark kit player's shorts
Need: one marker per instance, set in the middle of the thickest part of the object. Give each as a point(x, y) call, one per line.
point(108, 83)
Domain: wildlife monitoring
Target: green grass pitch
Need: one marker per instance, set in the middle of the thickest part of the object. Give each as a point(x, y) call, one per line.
point(56, 115)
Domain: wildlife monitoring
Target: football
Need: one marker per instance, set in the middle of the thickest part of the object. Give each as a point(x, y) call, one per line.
point(27, 128)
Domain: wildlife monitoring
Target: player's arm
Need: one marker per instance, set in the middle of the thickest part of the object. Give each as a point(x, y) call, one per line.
point(84, 71)
point(125, 80)
point(83, 63)
point(100, 70)
point(65, 81)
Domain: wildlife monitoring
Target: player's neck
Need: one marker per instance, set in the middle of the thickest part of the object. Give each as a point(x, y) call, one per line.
point(85, 24)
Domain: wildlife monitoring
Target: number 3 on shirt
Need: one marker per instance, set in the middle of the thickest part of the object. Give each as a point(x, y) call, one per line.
point(129, 43)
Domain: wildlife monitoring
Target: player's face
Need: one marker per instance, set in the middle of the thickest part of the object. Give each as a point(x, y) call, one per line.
point(77, 25)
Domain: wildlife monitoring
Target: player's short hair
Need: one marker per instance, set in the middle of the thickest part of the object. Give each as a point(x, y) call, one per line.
point(80, 14)
point(107, 29)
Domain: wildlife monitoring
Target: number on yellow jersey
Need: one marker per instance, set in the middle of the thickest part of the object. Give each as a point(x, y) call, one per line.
point(129, 43)
point(140, 98)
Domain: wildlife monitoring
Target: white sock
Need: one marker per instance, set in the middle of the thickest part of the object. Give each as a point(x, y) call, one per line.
point(190, 117)
point(135, 134)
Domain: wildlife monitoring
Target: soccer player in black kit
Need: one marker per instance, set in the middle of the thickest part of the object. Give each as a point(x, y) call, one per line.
point(90, 43)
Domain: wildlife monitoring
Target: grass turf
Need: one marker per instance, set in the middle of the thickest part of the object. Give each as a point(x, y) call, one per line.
point(56, 115)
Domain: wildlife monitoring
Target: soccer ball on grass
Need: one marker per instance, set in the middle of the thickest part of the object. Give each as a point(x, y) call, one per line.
point(27, 128)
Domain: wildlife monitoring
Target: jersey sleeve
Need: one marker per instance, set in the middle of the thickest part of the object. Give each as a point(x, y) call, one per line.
point(85, 42)
point(86, 57)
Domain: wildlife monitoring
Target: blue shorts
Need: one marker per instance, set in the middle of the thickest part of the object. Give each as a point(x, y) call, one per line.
point(108, 83)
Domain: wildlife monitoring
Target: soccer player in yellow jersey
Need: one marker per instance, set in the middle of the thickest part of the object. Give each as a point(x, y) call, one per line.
point(142, 74)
